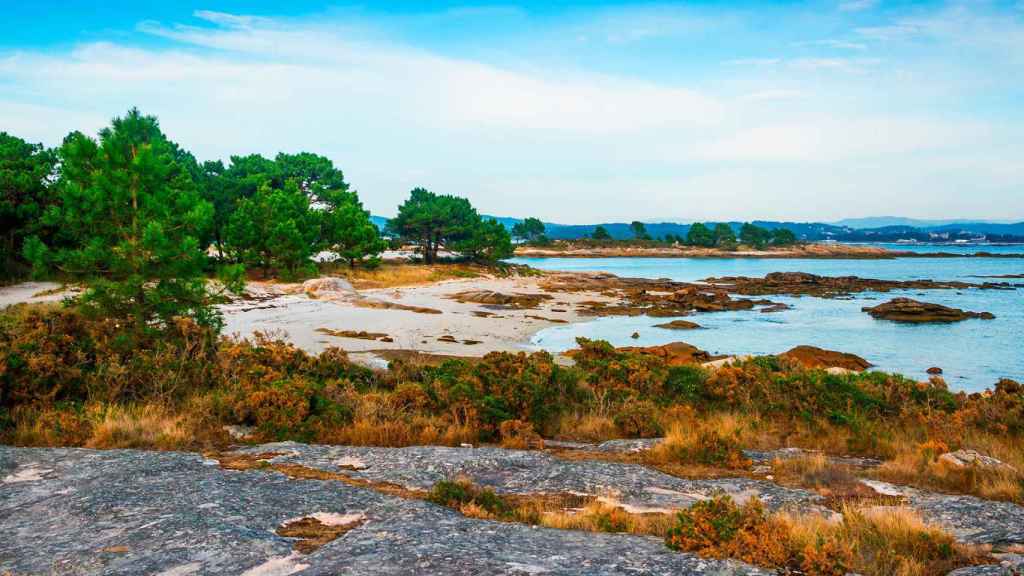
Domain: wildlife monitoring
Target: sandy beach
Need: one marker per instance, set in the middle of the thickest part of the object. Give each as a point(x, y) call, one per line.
point(314, 319)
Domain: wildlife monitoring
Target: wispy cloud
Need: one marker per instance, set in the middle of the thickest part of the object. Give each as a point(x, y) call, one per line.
point(831, 43)
point(723, 135)
point(857, 5)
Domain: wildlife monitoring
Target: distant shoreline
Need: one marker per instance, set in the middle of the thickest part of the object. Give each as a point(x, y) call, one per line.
point(811, 250)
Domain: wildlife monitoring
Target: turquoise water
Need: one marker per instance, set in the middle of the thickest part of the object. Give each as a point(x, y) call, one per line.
point(974, 354)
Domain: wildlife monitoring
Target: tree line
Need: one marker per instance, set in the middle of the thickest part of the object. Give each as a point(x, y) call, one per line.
point(144, 224)
point(720, 235)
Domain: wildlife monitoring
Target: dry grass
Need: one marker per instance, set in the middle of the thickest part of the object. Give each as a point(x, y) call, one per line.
point(587, 427)
point(392, 275)
point(150, 426)
point(874, 541)
point(919, 465)
point(311, 533)
point(716, 440)
point(604, 517)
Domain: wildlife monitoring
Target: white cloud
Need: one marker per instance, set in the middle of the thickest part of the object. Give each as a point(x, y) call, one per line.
point(857, 5)
point(749, 139)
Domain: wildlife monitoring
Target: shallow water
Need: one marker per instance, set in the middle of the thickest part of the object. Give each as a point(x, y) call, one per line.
point(974, 354)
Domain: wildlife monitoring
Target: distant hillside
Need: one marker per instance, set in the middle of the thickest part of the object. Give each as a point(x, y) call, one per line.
point(844, 230)
point(890, 221)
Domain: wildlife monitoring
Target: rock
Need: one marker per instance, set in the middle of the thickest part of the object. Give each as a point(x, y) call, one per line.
point(678, 325)
point(777, 307)
point(635, 335)
point(328, 288)
point(178, 513)
point(813, 357)
point(489, 297)
point(239, 432)
point(934, 370)
point(358, 334)
point(530, 472)
point(965, 458)
point(907, 310)
point(797, 283)
point(674, 354)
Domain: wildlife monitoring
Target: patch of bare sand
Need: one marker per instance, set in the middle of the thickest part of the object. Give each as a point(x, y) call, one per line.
point(459, 330)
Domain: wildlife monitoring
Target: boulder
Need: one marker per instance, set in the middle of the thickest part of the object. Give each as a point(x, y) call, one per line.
point(972, 458)
point(674, 354)
point(678, 325)
point(328, 288)
point(907, 310)
point(813, 357)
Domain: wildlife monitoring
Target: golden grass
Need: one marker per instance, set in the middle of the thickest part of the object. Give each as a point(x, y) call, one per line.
point(393, 275)
point(920, 466)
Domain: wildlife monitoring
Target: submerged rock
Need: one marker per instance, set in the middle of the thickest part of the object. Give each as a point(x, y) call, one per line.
point(678, 325)
point(813, 357)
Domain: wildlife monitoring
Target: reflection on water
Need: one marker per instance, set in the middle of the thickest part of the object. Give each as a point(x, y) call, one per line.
point(973, 354)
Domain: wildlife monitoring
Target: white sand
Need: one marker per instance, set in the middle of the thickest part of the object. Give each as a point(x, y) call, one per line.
point(296, 317)
point(33, 292)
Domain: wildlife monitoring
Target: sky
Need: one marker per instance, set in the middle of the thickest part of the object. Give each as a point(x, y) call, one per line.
point(574, 112)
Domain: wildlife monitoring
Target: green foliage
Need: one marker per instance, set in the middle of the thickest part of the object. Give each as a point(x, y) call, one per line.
point(434, 220)
point(488, 242)
point(754, 236)
point(639, 230)
point(348, 231)
point(275, 228)
point(455, 494)
point(601, 233)
point(529, 230)
point(783, 237)
point(25, 174)
point(504, 386)
point(700, 235)
point(724, 236)
point(130, 222)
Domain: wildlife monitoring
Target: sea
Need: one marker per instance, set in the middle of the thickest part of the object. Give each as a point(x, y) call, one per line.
point(973, 354)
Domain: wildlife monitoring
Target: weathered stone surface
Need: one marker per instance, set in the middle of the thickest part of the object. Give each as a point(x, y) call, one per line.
point(964, 458)
point(813, 357)
point(769, 456)
point(971, 519)
point(526, 472)
point(1009, 565)
point(908, 310)
point(132, 512)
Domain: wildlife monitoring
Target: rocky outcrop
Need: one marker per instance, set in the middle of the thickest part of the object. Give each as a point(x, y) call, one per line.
point(497, 299)
point(674, 354)
point(913, 311)
point(813, 357)
point(133, 513)
point(800, 283)
point(966, 458)
point(678, 325)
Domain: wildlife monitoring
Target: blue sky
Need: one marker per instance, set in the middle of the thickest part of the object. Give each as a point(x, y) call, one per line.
point(573, 112)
